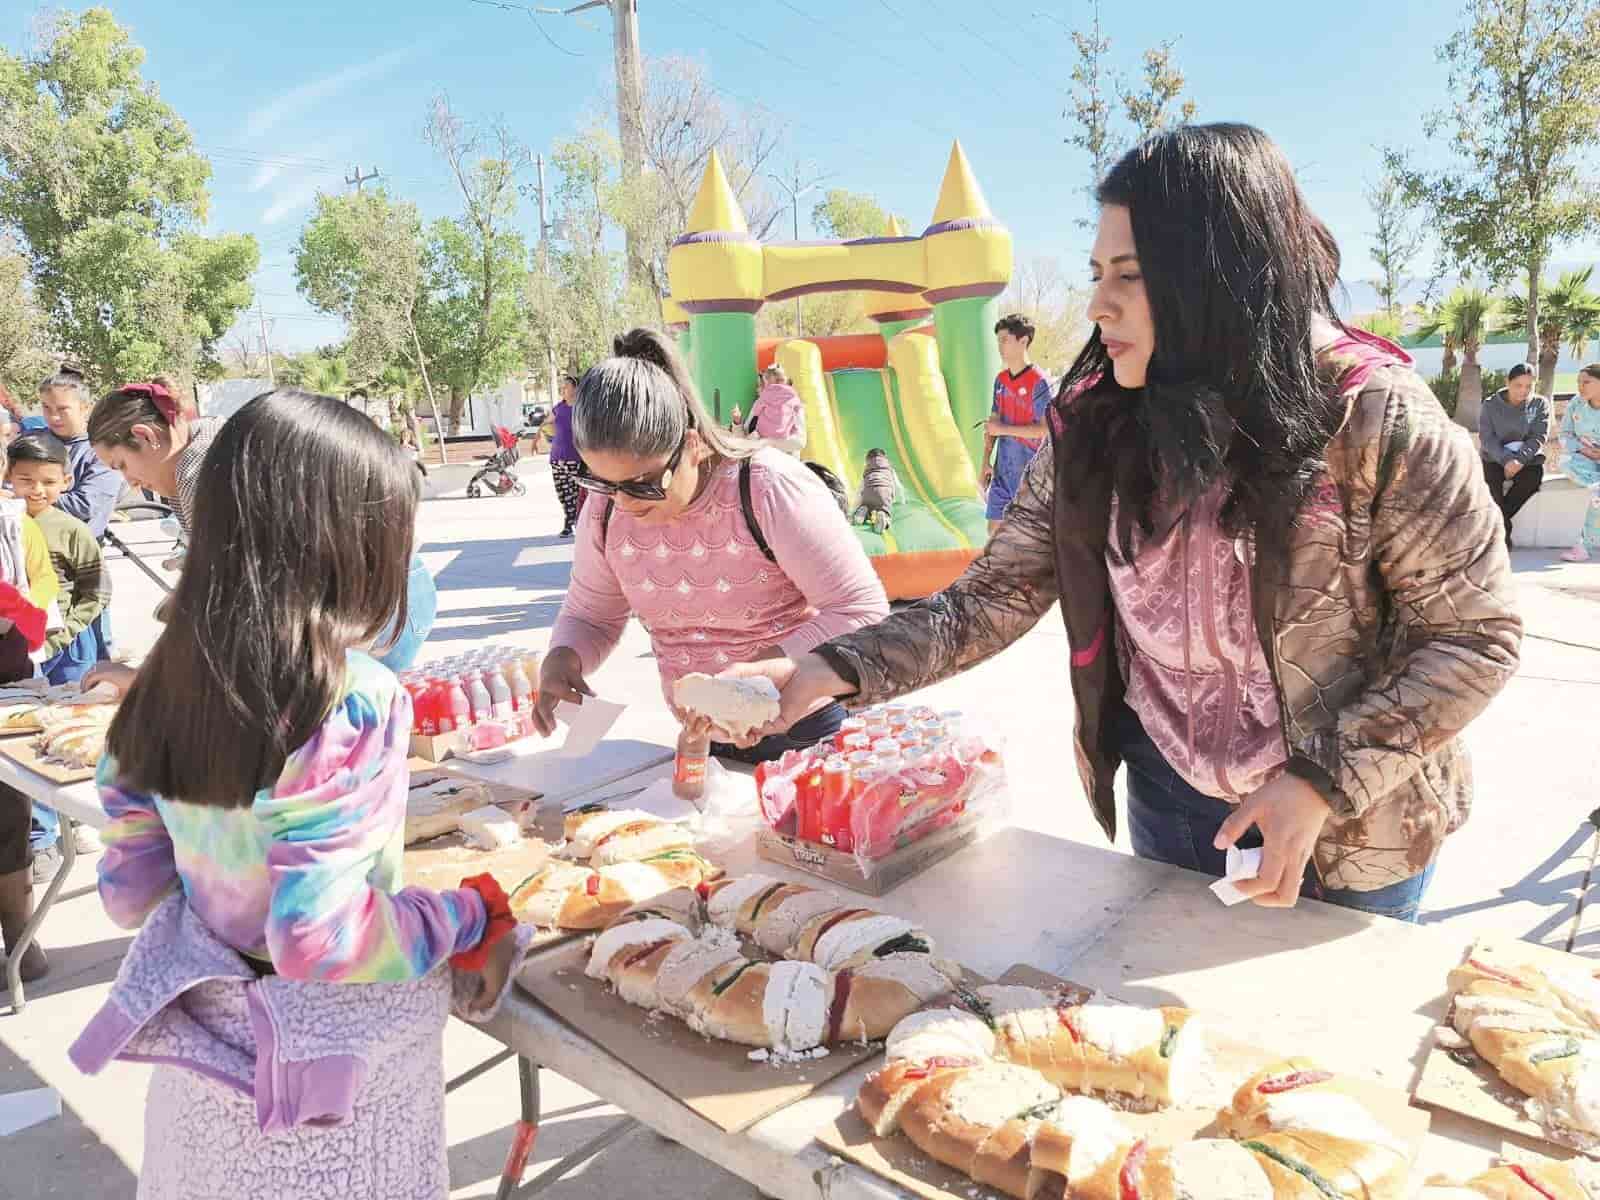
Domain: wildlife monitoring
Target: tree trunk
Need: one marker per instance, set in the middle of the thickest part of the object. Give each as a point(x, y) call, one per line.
point(458, 401)
point(433, 401)
point(1549, 356)
point(1448, 362)
point(1469, 391)
point(1535, 269)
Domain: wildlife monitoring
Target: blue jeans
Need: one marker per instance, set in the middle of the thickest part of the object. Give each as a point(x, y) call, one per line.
point(1169, 821)
point(69, 666)
point(422, 606)
point(823, 723)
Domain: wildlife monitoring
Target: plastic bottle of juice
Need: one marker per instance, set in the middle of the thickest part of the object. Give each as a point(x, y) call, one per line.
point(836, 803)
point(689, 767)
point(428, 707)
point(477, 696)
point(457, 709)
point(500, 702)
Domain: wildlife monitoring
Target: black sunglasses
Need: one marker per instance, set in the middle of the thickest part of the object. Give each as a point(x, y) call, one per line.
point(634, 488)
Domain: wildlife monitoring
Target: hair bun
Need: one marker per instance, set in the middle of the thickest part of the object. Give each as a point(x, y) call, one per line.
point(71, 370)
point(644, 344)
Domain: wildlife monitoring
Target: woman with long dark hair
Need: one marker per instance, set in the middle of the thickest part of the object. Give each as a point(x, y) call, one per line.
point(1284, 581)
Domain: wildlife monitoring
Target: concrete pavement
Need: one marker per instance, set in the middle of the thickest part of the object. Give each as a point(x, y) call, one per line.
point(1516, 869)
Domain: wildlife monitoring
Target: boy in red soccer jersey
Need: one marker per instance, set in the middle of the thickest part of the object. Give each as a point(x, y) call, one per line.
point(1016, 423)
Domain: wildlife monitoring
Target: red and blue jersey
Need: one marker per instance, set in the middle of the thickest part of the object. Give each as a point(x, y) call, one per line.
point(1020, 399)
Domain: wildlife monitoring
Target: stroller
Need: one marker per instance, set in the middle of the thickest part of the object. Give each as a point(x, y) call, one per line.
point(496, 474)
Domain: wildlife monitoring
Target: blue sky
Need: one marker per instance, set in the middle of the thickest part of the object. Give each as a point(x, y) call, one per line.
point(287, 97)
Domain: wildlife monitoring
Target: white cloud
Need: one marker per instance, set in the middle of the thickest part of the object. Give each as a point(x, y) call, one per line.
point(264, 175)
point(296, 100)
point(290, 197)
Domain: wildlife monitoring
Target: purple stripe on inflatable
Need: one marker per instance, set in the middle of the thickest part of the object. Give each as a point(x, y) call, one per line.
point(721, 306)
point(963, 223)
point(907, 314)
point(940, 295)
point(715, 235)
point(846, 285)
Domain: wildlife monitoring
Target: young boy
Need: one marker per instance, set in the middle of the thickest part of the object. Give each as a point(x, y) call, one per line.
point(1016, 422)
point(38, 474)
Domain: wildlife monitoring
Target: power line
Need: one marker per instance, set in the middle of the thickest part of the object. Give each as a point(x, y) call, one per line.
point(927, 37)
point(533, 15)
point(755, 43)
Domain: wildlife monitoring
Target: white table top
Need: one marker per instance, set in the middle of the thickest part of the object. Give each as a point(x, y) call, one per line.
point(1362, 993)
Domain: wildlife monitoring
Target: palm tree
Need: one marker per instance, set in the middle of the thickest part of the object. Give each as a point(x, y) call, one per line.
point(326, 376)
point(1569, 311)
point(1465, 318)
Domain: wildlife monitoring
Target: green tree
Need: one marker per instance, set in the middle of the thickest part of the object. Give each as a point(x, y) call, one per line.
point(325, 374)
point(844, 214)
point(1569, 311)
point(1524, 116)
point(1465, 319)
point(471, 320)
point(102, 187)
point(360, 257)
point(1397, 238)
point(1155, 103)
point(1152, 103)
point(24, 343)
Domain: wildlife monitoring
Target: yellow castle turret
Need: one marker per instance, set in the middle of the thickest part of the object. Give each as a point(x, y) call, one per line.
point(968, 251)
point(715, 266)
point(892, 307)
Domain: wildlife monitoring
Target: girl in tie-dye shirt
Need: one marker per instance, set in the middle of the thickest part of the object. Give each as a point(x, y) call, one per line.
point(258, 764)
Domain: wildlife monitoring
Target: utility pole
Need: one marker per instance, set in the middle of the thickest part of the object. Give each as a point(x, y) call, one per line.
point(794, 189)
point(356, 178)
point(544, 270)
point(630, 99)
point(266, 346)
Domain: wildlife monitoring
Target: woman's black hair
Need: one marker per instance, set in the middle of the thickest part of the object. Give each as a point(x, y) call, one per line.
point(1237, 271)
point(303, 525)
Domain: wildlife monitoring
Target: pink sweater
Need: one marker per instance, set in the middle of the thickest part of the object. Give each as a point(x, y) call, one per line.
point(701, 585)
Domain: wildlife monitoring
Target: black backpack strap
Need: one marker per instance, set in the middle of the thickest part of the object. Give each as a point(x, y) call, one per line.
point(605, 522)
point(750, 511)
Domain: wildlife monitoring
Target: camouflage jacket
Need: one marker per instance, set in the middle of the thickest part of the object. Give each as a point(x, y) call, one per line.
point(1389, 624)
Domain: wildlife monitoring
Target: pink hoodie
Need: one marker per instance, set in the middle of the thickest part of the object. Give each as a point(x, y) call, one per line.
point(780, 413)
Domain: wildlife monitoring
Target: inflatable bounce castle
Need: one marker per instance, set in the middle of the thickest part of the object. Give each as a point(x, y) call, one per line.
point(919, 389)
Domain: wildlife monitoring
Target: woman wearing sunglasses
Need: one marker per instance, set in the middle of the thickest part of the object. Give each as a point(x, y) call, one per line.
point(727, 553)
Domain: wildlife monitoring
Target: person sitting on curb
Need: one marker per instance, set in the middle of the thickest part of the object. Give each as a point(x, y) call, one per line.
point(1580, 448)
point(1512, 428)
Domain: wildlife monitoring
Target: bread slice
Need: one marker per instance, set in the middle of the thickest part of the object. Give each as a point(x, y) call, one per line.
point(879, 995)
point(640, 839)
point(622, 939)
point(795, 1005)
point(734, 1005)
point(779, 927)
point(688, 965)
point(887, 1091)
point(1206, 1169)
point(940, 1033)
point(955, 1114)
point(725, 898)
point(736, 706)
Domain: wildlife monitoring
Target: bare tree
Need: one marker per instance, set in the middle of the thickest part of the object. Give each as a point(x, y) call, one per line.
point(1042, 290)
point(1148, 104)
point(684, 119)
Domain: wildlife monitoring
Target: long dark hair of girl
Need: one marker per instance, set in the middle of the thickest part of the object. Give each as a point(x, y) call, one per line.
point(304, 517)
point(1237, 270)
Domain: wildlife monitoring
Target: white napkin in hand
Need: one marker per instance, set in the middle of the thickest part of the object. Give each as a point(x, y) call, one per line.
point(1242, 864)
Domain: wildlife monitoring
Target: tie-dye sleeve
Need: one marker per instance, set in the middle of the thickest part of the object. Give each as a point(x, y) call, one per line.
point(137, 869)
point(337, 809)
